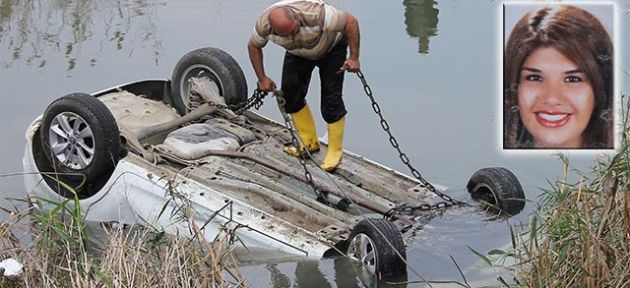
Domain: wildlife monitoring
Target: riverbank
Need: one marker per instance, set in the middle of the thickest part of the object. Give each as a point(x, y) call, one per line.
point(60, 254)
point(579, 235)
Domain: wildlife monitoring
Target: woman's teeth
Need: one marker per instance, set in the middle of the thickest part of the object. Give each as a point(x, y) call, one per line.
point(552, 117)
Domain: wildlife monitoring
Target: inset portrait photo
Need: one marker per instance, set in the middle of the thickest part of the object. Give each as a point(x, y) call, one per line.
point(558, 78)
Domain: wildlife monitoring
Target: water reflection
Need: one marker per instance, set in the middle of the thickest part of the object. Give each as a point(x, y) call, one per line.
point(307, 273)
point(32, 31)
point(421, 18)
point(346, 274)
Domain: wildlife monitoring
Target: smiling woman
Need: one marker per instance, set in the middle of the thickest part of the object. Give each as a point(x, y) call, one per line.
point(558, 81)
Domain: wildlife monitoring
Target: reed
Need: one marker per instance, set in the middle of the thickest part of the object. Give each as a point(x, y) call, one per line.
point(579, 235)
point(59, 253)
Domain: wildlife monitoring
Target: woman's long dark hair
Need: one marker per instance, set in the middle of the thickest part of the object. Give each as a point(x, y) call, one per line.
point(579, 36)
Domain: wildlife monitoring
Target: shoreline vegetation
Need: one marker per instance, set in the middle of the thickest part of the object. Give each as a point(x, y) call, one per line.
point(60, 253)
point(579, 235)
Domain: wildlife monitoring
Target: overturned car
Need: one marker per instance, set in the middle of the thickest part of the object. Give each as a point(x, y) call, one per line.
point(150, 151)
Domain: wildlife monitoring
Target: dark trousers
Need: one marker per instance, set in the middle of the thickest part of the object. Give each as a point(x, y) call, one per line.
point(296, 76)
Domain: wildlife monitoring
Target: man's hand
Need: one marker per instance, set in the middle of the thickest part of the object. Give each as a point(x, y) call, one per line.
point(351, 65)
point(266, 84)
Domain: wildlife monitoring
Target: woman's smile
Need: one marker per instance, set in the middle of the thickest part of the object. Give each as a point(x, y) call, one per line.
point(552, 119)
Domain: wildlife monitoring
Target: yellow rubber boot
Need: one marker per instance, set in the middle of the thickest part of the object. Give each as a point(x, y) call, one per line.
point(305, 125)
point(335, 145)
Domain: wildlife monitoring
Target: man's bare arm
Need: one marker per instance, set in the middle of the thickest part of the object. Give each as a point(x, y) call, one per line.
point(354, 39)
point(256, 57)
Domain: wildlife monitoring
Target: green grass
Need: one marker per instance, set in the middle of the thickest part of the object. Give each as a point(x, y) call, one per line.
point(60, 254)
point(579, 234)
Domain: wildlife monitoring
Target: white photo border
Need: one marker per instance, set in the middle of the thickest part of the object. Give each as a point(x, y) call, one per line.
point(616, 89)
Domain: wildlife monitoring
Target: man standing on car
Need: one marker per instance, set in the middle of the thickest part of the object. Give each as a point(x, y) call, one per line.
point(314, 34)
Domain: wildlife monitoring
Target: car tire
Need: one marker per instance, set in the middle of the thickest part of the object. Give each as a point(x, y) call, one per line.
point(378, 246)
point(79, 135)
point(498, 189)
point(215, 64)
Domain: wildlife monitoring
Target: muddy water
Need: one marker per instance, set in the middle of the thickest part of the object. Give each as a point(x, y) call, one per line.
point(432, 66)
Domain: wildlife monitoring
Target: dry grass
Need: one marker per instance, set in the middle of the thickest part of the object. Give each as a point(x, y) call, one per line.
point(60, 255)
point(580, 234)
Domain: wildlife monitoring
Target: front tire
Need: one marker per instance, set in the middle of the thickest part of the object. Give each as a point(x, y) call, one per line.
point(79, 136)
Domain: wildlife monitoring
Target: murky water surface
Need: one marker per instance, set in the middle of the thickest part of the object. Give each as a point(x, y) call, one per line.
point(432, 65)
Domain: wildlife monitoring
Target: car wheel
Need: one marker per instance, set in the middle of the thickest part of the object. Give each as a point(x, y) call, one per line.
point(497, 189)
point(79, 135)
point(378, 246)
point(214, 64)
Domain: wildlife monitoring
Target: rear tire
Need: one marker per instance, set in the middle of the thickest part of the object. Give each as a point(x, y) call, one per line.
point(215, 64)
point(498, 189)
point(369, 245)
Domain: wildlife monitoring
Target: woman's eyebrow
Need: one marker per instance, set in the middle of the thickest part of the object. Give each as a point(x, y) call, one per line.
point(574, 71)
point(531, 69)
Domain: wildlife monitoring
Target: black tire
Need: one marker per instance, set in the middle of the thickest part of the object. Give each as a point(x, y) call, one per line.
point(104, 140)
point(215, 64)
point(387, 263)
point(497, 188)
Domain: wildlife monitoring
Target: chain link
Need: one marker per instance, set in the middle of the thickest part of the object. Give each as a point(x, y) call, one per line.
point(448, 201)
point(256, 101)
point(296, 142)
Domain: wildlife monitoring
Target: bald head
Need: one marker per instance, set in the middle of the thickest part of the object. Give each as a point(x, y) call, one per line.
point(283, 21)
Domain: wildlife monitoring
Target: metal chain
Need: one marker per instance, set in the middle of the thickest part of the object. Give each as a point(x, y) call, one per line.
point(256, 101)
point(448, 200)
point(296, 142)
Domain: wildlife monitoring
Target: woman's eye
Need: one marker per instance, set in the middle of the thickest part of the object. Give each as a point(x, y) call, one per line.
point(533, 77)
point(572, 79)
